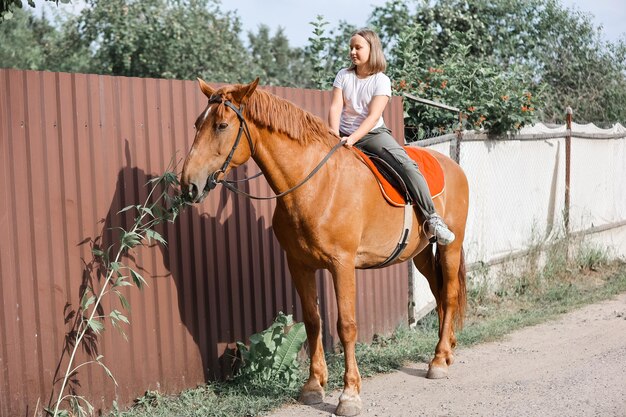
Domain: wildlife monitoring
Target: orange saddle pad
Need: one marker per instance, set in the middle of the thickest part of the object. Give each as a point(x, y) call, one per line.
point(428, 165)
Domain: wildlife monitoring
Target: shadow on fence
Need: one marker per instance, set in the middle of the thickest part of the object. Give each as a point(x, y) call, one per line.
point(208, 292)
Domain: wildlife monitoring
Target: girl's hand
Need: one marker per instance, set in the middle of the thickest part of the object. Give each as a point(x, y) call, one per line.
point(348, 142)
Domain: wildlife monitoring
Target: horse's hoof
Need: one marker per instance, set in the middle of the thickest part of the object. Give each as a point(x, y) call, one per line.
point(312, 397)
point(437, 372)
point(349, 406)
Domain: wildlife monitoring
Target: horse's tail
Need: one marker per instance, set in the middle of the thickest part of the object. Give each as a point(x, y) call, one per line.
point(462, 288)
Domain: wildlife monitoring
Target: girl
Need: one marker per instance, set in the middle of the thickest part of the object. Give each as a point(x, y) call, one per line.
point(360, 94)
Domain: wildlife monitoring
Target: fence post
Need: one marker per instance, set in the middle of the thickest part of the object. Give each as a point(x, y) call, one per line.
point(568, 168)
point(455, 152)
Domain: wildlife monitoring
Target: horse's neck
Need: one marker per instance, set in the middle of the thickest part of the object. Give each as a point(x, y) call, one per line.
point(286, 162)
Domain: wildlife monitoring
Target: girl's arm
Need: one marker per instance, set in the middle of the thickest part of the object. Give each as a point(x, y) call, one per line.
point(376, 108)
point(336, 106)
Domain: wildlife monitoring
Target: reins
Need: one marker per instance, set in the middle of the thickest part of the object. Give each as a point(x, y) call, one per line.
point(243, 127)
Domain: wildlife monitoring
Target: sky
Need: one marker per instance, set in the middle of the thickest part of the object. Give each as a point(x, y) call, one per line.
point(294, 15)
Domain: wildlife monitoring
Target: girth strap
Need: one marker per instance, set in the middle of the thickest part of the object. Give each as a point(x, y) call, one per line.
point(404, 237)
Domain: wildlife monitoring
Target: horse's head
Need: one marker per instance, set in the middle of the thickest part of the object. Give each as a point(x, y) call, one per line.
point(222, 140)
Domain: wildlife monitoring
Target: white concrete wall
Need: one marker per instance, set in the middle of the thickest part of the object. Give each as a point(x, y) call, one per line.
point(517, 193)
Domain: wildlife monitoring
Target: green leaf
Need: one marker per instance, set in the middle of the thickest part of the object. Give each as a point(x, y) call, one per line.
point(287, 351)
point(131, 239)
point(151, 234)
point(116, 315)
point(86, 302)
point(121, 282)
point(128, 208)
point(122, 299)
point(95, 325)
point(170, 178)
point(138, 279)
point(147, 210)
point(107, 370)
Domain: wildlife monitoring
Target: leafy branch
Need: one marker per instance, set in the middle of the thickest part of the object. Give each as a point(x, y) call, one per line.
point(163, 204)
point(319, 42)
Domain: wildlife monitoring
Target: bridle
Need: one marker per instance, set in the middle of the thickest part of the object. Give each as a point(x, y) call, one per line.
point(243, 127)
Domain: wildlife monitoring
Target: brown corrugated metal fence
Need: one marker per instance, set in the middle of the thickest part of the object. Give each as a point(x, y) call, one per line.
point(75, 149)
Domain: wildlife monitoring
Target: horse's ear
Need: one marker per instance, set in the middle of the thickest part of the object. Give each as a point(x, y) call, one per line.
point(206, 89)
point(243, 94)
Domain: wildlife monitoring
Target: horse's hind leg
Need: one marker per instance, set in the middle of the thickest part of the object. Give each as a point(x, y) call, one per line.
point(425, 263)
point(306, 285)
point(444, 276)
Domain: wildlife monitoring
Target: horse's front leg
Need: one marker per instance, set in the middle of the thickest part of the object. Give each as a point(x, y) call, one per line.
point(345, 291)
point(306, 285)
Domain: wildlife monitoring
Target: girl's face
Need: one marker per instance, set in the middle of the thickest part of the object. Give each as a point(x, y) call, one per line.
point(359, 51)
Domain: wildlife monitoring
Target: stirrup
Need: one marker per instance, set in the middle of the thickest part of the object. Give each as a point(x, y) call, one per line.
point(432, 238)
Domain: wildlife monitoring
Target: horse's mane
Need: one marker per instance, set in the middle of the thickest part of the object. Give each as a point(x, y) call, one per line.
point(277, 114)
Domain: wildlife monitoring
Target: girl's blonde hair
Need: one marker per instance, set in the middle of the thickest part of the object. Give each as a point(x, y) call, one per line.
point(376, 62)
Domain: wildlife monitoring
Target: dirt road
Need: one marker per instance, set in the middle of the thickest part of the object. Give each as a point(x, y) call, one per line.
point(572, 366)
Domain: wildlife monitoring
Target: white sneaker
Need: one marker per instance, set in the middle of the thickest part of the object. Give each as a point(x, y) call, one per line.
point(438, 228)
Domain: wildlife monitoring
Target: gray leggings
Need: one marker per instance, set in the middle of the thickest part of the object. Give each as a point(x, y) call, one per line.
point(380, 142)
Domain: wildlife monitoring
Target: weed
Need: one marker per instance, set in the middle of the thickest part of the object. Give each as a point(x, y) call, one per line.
point(272, 354)
point(591, 257)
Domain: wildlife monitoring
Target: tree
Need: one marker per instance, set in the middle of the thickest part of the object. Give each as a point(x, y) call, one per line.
point(23, 41)
point(487, 49)
point(274, 61)
point(327, 54)
point(8, 7)
point(488, 97)
point(162, 38)
point(559, 49)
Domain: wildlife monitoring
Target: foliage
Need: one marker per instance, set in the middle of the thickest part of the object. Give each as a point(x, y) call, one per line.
point(8, 7)
point(272, 56)
point(489, 98)
point(328, 51)
point(40, 43)
point(272, 354)
point(160, 206)
point(316, 50)
point(159, 38)
point(30, 33)
point(550, 49)
point(487, 49)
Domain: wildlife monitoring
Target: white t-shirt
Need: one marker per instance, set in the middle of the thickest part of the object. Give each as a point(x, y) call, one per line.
point(357, 96)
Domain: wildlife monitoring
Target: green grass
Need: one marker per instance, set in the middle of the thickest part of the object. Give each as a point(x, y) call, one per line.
point(561, 286)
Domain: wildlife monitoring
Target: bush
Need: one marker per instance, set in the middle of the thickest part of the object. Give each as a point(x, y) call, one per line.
point(489, 97)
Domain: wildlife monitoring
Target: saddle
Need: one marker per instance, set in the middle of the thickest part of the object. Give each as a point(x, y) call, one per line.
point(391, 185)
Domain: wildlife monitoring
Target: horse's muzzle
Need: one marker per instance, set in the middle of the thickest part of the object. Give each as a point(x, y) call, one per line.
point(193, 192)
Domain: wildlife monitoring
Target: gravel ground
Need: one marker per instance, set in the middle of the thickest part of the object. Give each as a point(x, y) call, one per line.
point(572, 366)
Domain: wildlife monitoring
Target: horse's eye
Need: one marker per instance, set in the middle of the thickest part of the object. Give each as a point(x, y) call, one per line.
point(222, 126)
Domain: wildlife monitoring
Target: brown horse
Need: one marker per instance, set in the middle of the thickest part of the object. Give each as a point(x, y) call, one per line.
point(337, 220)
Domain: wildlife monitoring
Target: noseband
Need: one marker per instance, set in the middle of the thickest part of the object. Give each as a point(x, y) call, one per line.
point(243, 126)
